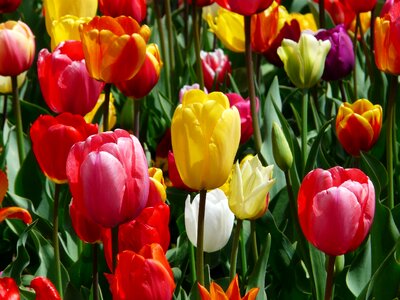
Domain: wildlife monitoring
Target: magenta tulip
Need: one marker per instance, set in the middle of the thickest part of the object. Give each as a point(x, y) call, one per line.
point(108, 172)
point(336, 208)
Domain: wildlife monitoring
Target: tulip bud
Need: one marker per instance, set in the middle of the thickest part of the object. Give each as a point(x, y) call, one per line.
point(218, 220)
point(280, 148)
point(216, 69)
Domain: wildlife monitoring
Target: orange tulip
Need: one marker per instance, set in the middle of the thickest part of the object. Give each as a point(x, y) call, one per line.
point(232, 293)
point(114, 48)
point(358, 125)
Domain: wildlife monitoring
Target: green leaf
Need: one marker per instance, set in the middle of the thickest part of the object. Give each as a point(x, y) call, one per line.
point(375, 170)
point(319, 274)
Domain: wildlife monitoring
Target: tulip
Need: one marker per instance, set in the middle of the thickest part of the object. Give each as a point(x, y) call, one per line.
point(361, 6)
point(8, 6)
point(112, 116)
point(66, 28)
point(340, 60)
point(5, 83)
point(386, 44)
point(243, 106)
point(216, 69)
point(114, 48)
point(205, 135)
point(8, 289)
point(245, 8)
point(53, 137)
point(56, 9)
point(157, 191)
point(336, 209)
point(162, 149)
point(136, 9)
point(17, 49)
point(210, 11)
point(173, 174)
point(145, 275)
point(233, 292)
point(218, 220)
point(340, 12)
point(108, 172)
point(147, 77)
point(64, 80)
point(280, 148)
point(386, 7)
point(202, 3)
point(186, 88)
point(151, 226)
point(358, 125)
point(306, 21)
point(304, 61)
point(249, 189)
point(229, 28)
point(44, 289)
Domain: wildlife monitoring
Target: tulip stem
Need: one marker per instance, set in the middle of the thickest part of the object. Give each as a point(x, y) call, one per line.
point(171, 51)
point(342, 91)
point(18, 119)
point(200, 238)
point(304, 130)
point(235, 247)
point(95, 272)
point(254, 240)
point(114, 246)
point(56, 246)
point(243, 253)
point(329, 278)
point(321, 13)
point(3, 120)
point(355, 57)
point(366, 52)
point(186, 23)
point(252, 91)
point(390, 123)
point(136, 117)
point(196, 29)
point(106, 106)
point(192, 264)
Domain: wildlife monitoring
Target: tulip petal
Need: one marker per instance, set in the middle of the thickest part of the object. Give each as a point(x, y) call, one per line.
point(14, 212)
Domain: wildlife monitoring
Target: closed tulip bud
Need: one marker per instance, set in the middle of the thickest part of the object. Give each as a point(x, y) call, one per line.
point(5, 83)
point(147, 77)
point(218, 220)
point(108, 172)
point(245, 8)
point(358, 125)
point(136, 9)
point(229, 28)
point(64, 80)
point(66, 28)
point(144, 275)
point(17, 49)
point(216, 69)
point(340, 60)
point(8, 6)
point(361, 6)
point(44, 289)
point(9, 289)
point(304, 61)
point(121, 50)
point(336, 209)
point(249, 188)
point(53, 137)
point(205, 135)
point(280, 148)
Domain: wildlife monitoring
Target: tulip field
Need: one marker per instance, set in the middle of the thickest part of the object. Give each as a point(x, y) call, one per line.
point(199, 149)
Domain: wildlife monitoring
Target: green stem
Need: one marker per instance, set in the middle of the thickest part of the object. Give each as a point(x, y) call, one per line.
point(106, 106)
point(235, 248)
point(114, 246)
point(390, 124)
point(321, 13)
point(192, 264)
point(200, 238)
point(186, 23)
point(95, 272)
point(304, 129)
point(252, 92)
point(197, 49)
point(171, 51)
point(253, 237)
point(3, 120)
point(136, 116)
point(18, 119)
point(329, 278)
point(342, 91)
point(372, 28)
point(243, 253)
point(355, 57)
point(367, 53)
point(56, 246)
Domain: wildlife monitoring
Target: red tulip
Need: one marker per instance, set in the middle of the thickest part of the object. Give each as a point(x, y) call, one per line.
point(136, 9)
point(147, 77)
point(44, 289)
point(216, 68)
point(174, 175)
point(8, 289)
point(360, 6)
point(151, 226)
point(145, 275)
point(340, 12)
point(53, 137)
point(108, 172)
point(17, 49)
point(245, 8)
point(64, 80)
point(336, 209)
point(163, 147)
point(7, 6)
point(201, 3)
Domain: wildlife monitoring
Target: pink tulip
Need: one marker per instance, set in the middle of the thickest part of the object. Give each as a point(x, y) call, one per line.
point(216, 67)
point(108, 172)
point(336, 208)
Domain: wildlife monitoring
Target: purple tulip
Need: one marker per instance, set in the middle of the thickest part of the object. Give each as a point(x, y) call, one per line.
point(340, 60)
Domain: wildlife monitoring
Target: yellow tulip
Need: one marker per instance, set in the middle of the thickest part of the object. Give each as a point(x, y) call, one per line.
point(249, 188)
point(205, 134)
point(112, 117)
point(5, 83)
point(306, 21)
point(229, 28)
point(66, 28)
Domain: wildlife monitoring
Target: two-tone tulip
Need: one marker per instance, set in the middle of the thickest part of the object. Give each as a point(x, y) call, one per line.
point(216, 69)
point(205, 135)
point(358, 125)
point(136, 9)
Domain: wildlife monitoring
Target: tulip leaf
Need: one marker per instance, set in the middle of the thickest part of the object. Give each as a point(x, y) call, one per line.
point(375, 170)
point(318, 269)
